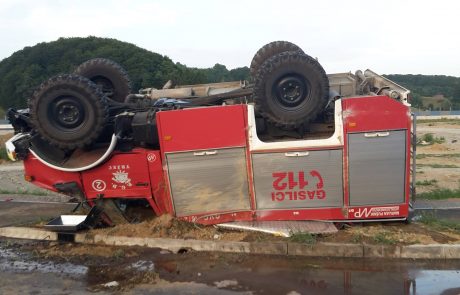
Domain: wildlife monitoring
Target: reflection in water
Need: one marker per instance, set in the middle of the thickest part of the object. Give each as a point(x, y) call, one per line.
point(211, 273)
point(281, 275)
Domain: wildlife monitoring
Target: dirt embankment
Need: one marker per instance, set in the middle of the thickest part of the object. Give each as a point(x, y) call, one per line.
point(397, 233)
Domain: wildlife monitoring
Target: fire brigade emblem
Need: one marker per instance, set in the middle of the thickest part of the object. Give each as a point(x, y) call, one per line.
point(121, 177)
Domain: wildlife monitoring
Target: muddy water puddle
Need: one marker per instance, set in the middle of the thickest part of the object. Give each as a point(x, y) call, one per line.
point(51, 268)
point(18, 262)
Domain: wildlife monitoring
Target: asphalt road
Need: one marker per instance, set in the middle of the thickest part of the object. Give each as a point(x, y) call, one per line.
point(23, 213)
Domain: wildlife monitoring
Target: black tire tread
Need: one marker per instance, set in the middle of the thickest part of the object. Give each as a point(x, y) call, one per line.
point(124, 85)
point(63, 81)
point(260, 97)
point(269, 50)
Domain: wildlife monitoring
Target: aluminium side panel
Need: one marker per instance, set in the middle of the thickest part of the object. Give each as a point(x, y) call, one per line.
point(377, 167)
point(209, 181)
point(298, 179)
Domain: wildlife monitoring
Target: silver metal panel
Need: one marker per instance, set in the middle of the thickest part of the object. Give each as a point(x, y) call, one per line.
point(377, 167)
point(208, 181)
point(283, 228)
point(278, 179)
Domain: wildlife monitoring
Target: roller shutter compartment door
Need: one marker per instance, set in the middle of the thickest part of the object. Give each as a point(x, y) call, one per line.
point(298, 179)
point(377, 167)
point(208, 181)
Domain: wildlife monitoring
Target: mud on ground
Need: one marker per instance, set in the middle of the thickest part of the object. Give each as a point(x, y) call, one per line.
point(255, 274)
point(395, 233)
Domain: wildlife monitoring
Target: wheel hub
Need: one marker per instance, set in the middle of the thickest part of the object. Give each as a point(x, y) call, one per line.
point(291, 90)
point(67, 112)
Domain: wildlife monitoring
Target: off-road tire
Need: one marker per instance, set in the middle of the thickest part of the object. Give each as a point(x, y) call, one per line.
point(68, 111)
point(108, 75)
point(269, 50)
point(291, 89)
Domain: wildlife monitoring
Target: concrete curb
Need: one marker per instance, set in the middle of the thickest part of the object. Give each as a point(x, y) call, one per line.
point(27, 233)
point(433, 251)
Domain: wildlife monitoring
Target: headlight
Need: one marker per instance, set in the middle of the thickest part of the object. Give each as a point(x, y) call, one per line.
point(11, 148)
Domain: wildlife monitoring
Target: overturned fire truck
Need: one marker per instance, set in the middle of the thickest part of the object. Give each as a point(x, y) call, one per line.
point(291, 144)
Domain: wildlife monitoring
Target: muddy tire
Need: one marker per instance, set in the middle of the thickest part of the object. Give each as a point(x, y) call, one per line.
point(108, 75)
point(268, 51)
point(291, 89)
point(68, 111)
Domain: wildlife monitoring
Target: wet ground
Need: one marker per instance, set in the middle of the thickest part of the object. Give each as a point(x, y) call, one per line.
point(47, 268)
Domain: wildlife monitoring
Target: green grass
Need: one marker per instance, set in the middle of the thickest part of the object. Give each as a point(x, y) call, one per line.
point(357, 238)
point(440, 194)
point(22, 192)
point(304, 238)
point(3, 154)
point(423, 156)
point(118, 254)
point(384, 238)
point(426, 182)
point(439, 224)
point(438, 165)
point(429, 138)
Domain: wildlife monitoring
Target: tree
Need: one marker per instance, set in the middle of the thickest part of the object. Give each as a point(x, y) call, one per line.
point(26, 69)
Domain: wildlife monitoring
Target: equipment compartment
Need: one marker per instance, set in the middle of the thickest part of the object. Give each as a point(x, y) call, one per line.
point(208, 181)
point(298, 179)
point(377, 167)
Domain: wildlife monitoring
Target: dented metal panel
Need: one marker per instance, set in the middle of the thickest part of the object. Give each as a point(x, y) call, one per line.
point(283, 228)
point(208, 181)
point(377, 165)
point(298, 179)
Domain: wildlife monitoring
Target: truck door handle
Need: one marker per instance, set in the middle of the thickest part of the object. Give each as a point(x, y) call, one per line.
point(297, 154)
point(205, 153)
point(376, 134)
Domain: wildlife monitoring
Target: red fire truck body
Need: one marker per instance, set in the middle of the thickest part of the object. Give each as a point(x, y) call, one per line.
point(213, 168)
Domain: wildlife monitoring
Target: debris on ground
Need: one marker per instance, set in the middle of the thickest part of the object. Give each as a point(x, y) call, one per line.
point(111, 284)
point(392, 233)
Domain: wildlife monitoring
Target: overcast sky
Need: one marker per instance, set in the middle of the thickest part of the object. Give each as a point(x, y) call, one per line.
point(414, 37)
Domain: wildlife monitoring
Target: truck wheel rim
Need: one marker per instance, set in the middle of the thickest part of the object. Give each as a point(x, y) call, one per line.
point(66, 112)
point(291, 90)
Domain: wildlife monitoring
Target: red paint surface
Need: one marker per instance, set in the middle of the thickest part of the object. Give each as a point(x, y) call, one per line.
point(374, 113)
point(46, 177)
point(378, 212)
point(124, 175)
point(202, 128)
point(158, 184)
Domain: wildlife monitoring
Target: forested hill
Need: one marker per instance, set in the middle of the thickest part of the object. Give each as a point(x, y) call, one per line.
point(23, 71)
point(424, 86)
